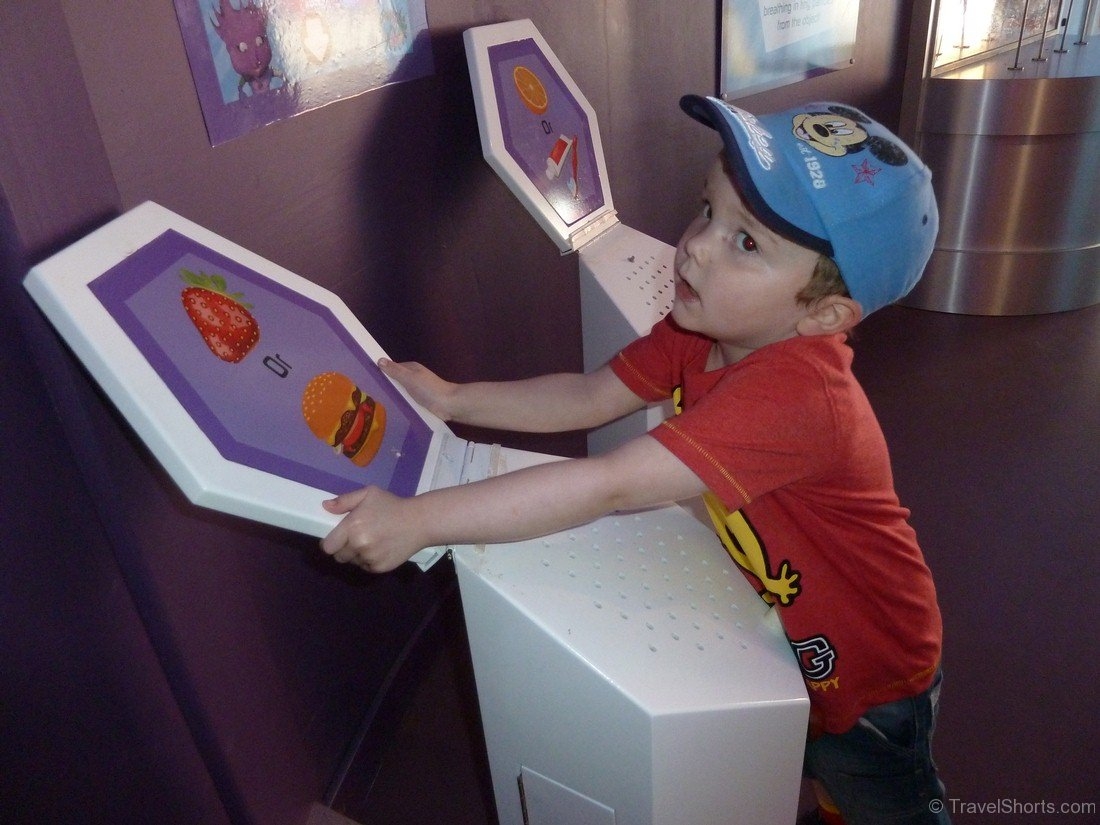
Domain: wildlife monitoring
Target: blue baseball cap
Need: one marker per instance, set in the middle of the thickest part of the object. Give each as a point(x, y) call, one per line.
point(831, 179)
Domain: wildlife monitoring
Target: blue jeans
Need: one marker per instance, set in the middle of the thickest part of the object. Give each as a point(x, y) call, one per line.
point(881, 771)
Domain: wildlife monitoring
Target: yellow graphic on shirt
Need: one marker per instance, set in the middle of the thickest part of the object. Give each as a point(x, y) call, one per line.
point(744, 545)
point(741, 542)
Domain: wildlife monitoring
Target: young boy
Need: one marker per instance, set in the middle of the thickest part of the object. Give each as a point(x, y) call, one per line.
point(811, 219)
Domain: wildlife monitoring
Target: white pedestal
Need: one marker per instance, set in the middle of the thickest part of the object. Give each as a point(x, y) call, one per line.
point(630, 674)
point(626, 287)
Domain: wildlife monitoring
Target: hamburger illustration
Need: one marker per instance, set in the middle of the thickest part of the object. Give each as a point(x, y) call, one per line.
point(344, 417)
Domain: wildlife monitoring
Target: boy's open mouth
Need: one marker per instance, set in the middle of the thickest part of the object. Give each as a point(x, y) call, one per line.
point(685, 291)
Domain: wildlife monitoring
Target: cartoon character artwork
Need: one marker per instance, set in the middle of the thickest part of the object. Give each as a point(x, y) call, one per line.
point(837, 132)
point(344, 417)
point(256, 62)
point(396, 28)
point(778, 583)
point(242, 27)
point(221, 317)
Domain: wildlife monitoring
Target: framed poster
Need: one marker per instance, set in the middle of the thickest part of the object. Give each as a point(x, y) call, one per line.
point(256, 389)
point(770, 43)
point(255, 62)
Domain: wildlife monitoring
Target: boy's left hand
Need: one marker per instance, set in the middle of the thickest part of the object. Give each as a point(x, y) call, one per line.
point(376, 532)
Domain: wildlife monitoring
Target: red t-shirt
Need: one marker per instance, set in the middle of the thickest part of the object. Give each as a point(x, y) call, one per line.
point(802, 496)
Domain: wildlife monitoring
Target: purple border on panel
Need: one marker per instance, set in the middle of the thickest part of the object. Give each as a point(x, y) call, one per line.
point(251, 409)
point(552, 144)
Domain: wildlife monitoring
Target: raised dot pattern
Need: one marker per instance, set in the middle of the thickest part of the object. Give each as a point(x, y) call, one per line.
point(654, 280)
point(650, 576)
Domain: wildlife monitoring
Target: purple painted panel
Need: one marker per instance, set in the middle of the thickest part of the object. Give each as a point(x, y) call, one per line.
point(250, 403)
point(545, 130)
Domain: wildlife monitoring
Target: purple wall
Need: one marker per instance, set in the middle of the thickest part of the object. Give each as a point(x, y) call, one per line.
point(164, 663)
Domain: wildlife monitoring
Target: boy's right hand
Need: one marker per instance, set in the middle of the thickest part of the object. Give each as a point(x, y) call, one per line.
point(426, 388)
point(376, 532)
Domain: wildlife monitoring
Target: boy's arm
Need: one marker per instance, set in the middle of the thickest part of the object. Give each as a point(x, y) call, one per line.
point(380, 531)
point(548, 403)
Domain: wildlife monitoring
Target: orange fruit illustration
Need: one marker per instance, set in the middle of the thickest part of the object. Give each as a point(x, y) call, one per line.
point(531, 90)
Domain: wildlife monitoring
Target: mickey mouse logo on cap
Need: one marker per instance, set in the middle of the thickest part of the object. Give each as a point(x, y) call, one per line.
point(838, 132)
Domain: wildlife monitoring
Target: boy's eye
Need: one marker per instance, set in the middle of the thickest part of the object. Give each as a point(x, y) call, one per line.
point(744, 241)
point(706, 210)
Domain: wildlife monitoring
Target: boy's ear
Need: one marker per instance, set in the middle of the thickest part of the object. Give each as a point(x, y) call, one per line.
point(830, 315)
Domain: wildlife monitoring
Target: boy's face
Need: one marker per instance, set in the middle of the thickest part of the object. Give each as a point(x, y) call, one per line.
point(736, 280)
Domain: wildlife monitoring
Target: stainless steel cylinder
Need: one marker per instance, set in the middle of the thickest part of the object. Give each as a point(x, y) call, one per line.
point(1016, 166)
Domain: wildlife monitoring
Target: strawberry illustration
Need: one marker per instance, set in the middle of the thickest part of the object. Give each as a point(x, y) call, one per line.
point(220, 316)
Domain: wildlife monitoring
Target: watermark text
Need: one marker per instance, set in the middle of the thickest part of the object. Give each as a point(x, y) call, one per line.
point(1007, 806)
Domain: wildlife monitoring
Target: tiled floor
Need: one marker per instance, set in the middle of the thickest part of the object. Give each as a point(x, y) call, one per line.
point(994, 426)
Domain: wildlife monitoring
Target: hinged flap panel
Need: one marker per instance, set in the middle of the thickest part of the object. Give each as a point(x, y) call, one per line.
point(538, 131)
